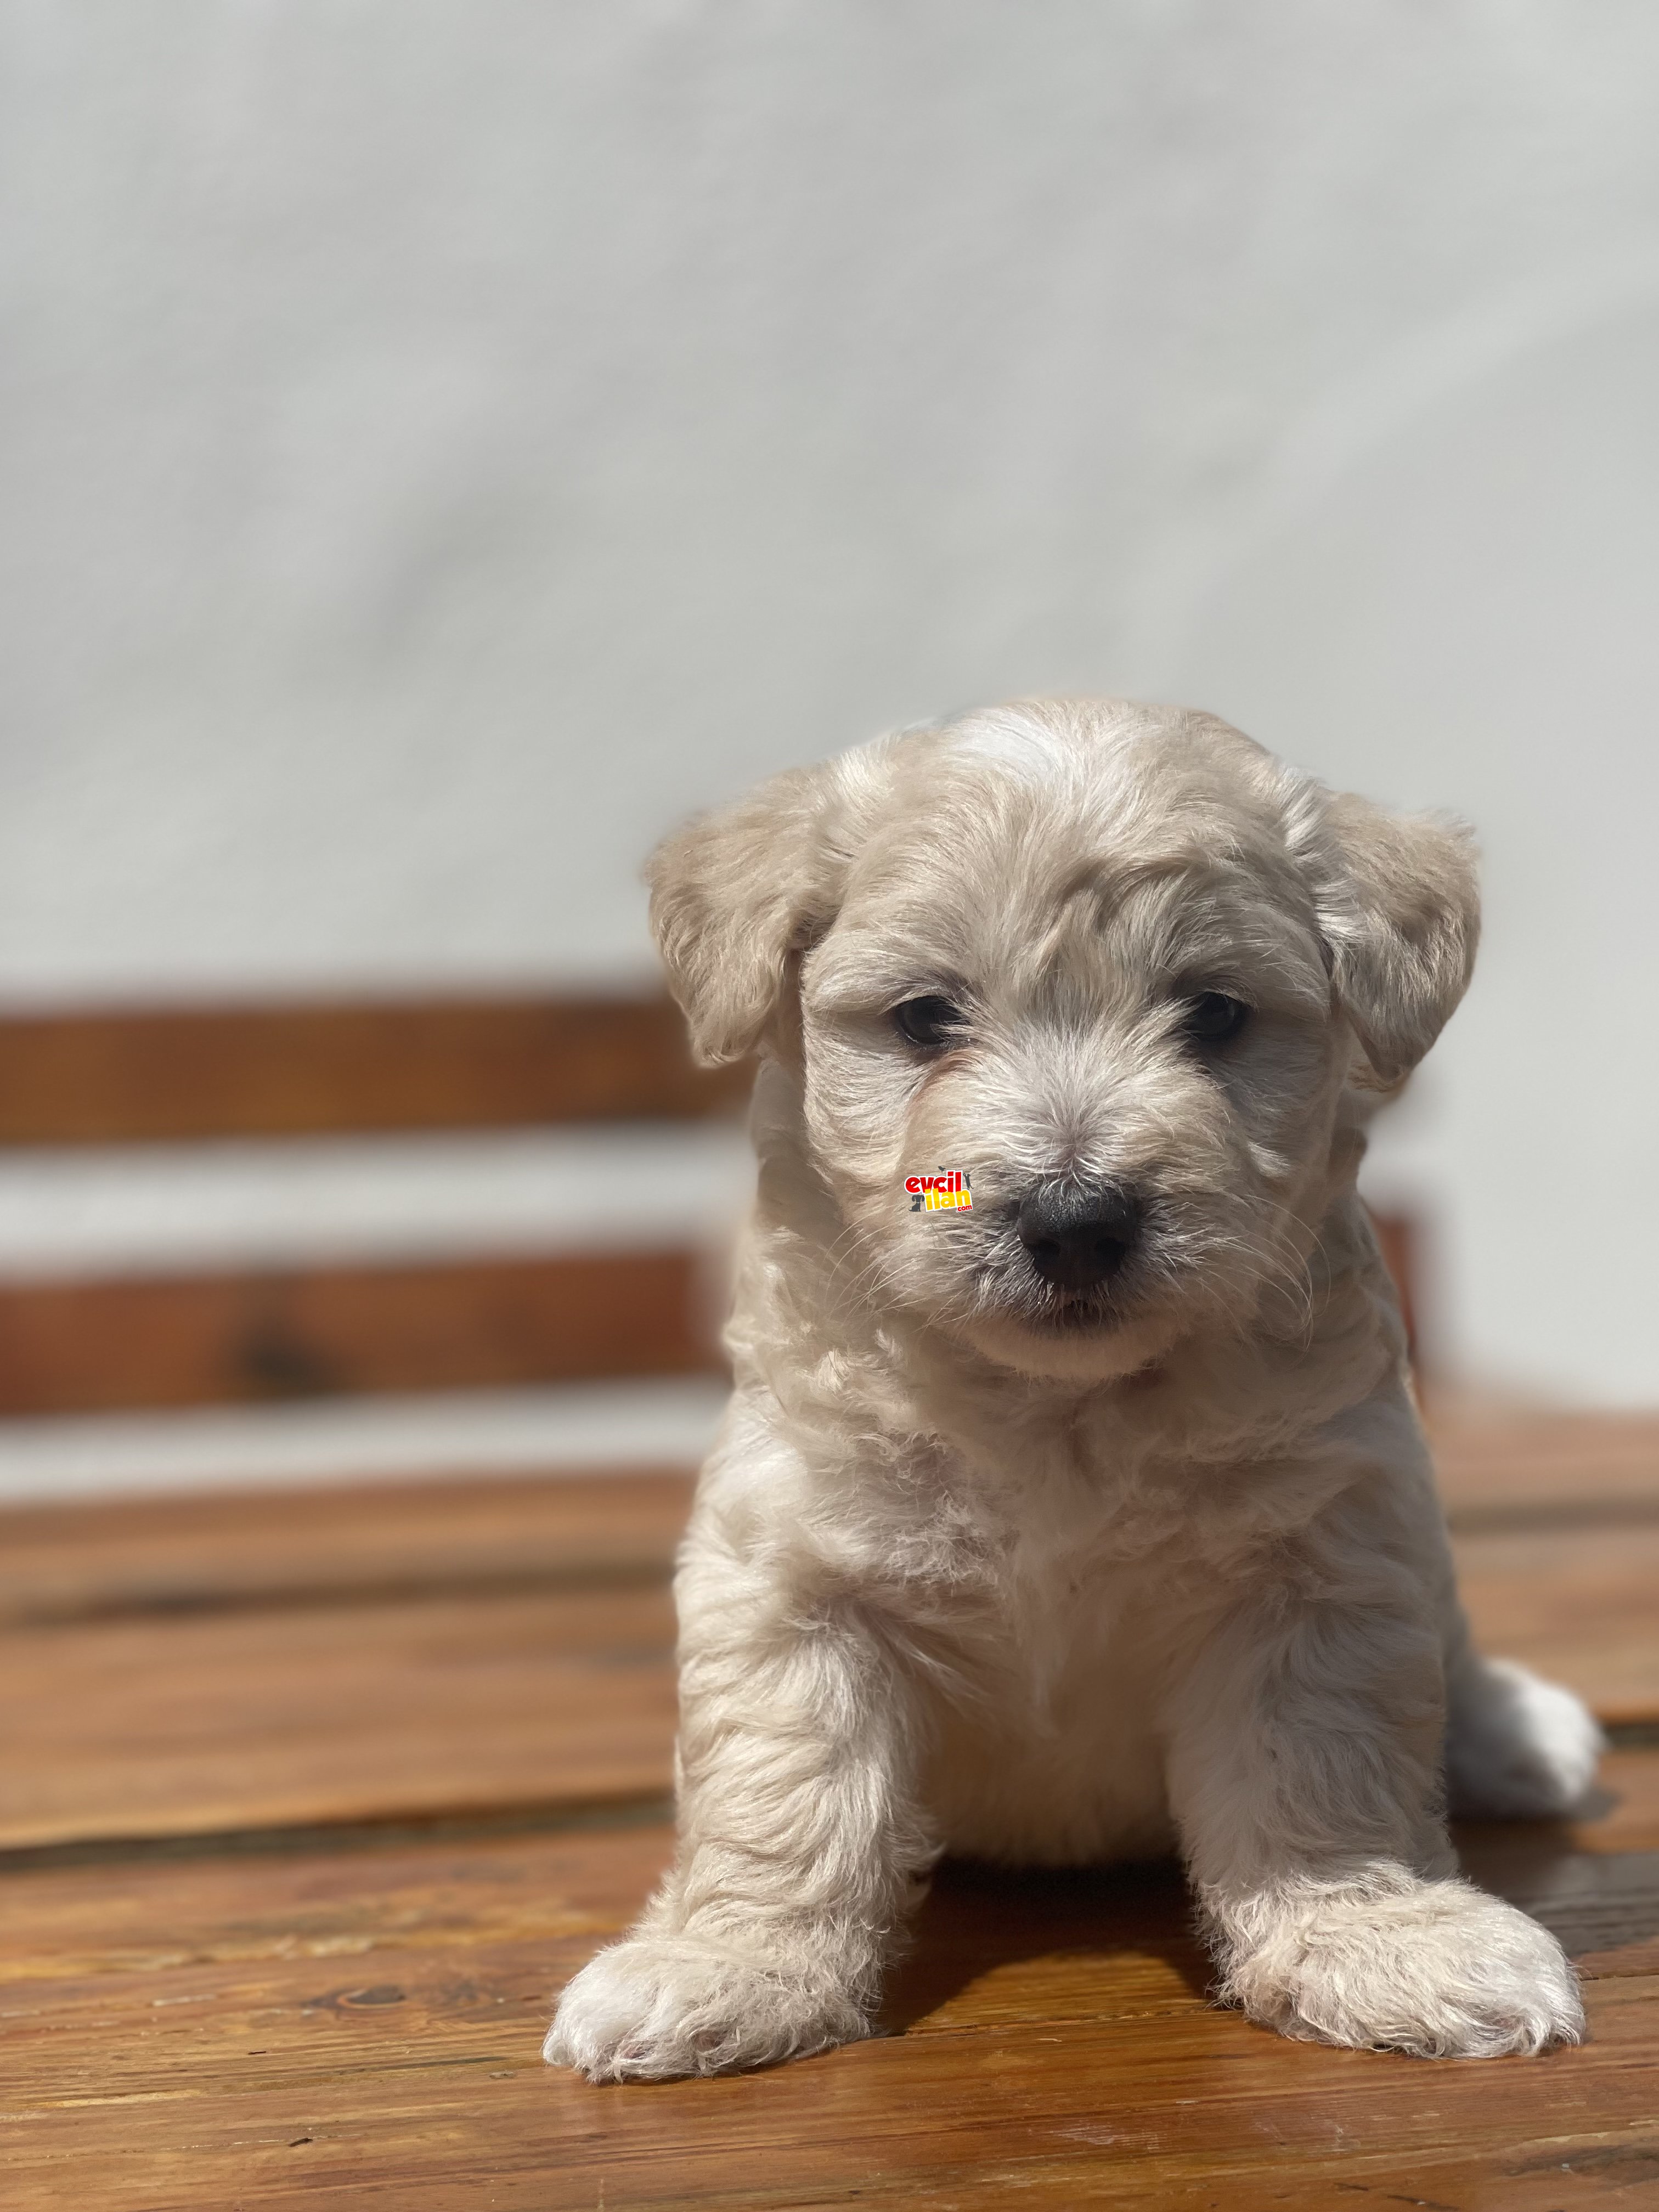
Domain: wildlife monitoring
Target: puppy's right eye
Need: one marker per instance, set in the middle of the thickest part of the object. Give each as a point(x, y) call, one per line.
point(1212, 1017)
point(930, 1024)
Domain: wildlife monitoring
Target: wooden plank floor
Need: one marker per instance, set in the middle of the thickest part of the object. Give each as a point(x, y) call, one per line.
point(308, 1805)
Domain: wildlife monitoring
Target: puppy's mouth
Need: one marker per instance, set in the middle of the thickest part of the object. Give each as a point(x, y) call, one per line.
point(1048, 1310)
point(1069, 1336)
point(1070, 1312)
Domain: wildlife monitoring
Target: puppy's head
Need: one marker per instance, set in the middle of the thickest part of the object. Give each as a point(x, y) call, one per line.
point(1113, 965)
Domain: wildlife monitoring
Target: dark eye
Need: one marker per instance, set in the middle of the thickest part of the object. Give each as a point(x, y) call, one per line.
point(933, 1024)
point(1212, 1017)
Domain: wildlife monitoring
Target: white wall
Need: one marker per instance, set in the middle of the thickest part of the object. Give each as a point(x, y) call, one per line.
point(444, 442)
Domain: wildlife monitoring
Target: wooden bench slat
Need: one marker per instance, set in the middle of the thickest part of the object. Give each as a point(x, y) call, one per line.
point(142, 1074)
point(1581, 1605)
point(330, 2022)
point(1583, 1470)
point(147, 1726)
point(236, 1719)
point(239, 1625)
point(121, 1914)
point(104, 1346)
point(337, 2028)
point(1545, 1465)
point(178, 1554)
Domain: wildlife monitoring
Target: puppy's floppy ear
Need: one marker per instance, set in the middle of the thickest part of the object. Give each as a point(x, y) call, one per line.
point(735, 895)
point(1398, 902)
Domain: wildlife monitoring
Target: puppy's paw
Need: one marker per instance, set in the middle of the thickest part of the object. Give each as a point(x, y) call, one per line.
point(1436, 1968)
point(656, 2006)
point(1517, 1747)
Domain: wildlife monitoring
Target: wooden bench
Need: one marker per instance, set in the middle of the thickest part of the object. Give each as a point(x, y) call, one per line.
point(258, 1334)
point(309, 1802)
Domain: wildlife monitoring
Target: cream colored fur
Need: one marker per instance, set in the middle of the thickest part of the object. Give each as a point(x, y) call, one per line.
point(963, 1578)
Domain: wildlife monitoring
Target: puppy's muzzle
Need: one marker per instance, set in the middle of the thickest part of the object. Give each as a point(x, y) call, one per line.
point(1077, 1237)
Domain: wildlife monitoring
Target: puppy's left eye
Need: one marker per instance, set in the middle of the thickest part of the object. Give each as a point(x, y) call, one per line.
point(933, 1024)
point(1212, 1017)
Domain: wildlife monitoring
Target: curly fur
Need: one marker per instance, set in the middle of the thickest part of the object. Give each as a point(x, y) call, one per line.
point(975, 1567)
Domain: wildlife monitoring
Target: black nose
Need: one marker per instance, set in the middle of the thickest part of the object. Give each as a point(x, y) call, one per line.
point(1078, 1237)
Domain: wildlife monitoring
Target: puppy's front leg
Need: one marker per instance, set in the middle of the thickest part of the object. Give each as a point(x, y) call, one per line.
point(799, 1846)
point(1304, 1775)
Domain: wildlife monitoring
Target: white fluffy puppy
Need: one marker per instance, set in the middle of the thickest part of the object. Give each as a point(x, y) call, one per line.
point(1095, 1520)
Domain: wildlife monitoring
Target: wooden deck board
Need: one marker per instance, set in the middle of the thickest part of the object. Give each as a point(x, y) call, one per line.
point(178, 2035)
point(163, 1554)
point(452, 1647)
point(1502, 1479)
point(224, 1985)
point(154, 1727)
point(1579, 1604)
point(1545, 1469)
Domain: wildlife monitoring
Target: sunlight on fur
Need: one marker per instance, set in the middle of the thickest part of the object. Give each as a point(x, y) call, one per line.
point(1095, 1520)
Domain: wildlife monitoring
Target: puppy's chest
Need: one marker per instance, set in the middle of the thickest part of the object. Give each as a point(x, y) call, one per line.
point(1060, 1532)
point(1063, 1522)
point(1036, 1594)
point(1046, 1735)
point(1038, 1566)
point(1059, 1624)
